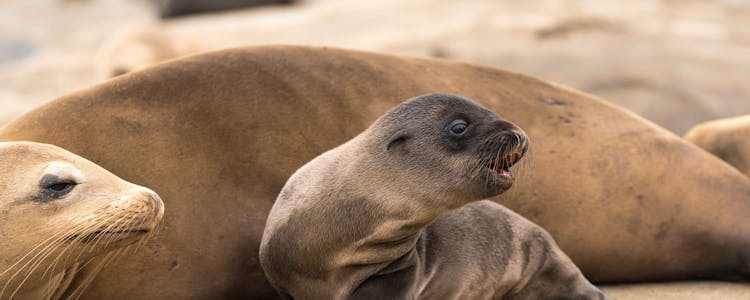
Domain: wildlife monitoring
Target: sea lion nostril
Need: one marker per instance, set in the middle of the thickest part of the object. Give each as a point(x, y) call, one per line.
point(156, 202)
point(152, 196)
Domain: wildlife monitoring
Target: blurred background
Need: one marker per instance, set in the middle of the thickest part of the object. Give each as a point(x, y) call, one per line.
point(676, 63)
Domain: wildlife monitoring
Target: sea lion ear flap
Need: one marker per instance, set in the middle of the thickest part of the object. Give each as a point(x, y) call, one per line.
point(398, 139)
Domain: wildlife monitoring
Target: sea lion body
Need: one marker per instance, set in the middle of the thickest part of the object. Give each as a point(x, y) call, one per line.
point(385, 215)
point(59, 213)
point(486, 251)
point(218, 134)
point(728, 139)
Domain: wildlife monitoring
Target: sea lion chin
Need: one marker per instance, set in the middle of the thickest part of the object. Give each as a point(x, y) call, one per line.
point(59, 211)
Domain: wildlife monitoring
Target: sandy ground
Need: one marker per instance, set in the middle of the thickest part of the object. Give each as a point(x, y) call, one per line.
point(674, 62)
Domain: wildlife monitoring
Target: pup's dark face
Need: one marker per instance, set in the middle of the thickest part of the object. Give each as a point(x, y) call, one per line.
point(457, 143)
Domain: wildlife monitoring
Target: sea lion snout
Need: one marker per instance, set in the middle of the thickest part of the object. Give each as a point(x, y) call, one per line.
point(513, 134)
point(148, 200)
point(141, 208)
point(504, 148)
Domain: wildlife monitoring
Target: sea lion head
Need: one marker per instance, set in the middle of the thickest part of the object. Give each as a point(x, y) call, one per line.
point(58, 210)
point(450, 145)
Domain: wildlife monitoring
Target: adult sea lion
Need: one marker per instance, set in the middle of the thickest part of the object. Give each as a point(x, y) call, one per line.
point(61, 220)
point(393, 214)
point(218, 135)
point(729, 139)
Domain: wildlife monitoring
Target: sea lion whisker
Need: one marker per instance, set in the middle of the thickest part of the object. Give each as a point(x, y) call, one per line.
point(44, 244)
point(146, 238)
point(91, 237)
point(122, 227)
point(35, 261)
point(119, 227)
point(41, 244)
point(477, 168)
point(53, 265)
point(112, 227)
point(36, 264)
point(69, 245)
point(81, 288)
point(124, 251)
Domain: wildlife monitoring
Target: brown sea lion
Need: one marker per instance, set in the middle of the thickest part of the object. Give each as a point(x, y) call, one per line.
point(729, 139)
point(62, 218)
point(395, 213)
point(218, 135)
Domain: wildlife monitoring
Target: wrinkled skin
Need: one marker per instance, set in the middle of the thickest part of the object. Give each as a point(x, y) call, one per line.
point(218, 134)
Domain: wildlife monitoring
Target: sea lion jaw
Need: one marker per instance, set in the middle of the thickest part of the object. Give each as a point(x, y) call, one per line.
point(497, 146)
point(510, 147)
point(60, 211)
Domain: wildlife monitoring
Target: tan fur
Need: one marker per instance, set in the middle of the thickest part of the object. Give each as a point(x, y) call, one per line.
point(729, 139)
point(46, 240)
point(136, 49)
point(218, 134)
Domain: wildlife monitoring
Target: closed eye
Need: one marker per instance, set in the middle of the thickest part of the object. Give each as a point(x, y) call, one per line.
point(54, 187)
point(61, 188)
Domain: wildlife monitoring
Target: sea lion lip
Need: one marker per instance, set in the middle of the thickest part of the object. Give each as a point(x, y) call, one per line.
point(87, 237)
point(502, 176)
point(504, 173)
point(501, 166)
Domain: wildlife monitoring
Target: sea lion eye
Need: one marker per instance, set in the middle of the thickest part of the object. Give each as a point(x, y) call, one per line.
point(458, 127)
point(55, 187)
point(61, 188)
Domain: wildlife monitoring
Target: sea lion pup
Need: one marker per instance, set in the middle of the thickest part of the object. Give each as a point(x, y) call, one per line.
point(385, 215)
point(58, 212)
point(729, 139)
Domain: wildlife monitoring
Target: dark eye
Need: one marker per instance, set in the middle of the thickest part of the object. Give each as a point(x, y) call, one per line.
point(61, 188)
point(52, 187)
point(458, 127)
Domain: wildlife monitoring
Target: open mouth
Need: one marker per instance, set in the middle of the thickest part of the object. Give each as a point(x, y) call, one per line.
point(502, 165)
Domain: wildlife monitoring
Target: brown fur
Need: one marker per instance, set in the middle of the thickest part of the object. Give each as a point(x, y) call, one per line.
point(729, 139)
point(138, 48)
point(51, 245)
point(218, 134)
point(392, 214)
